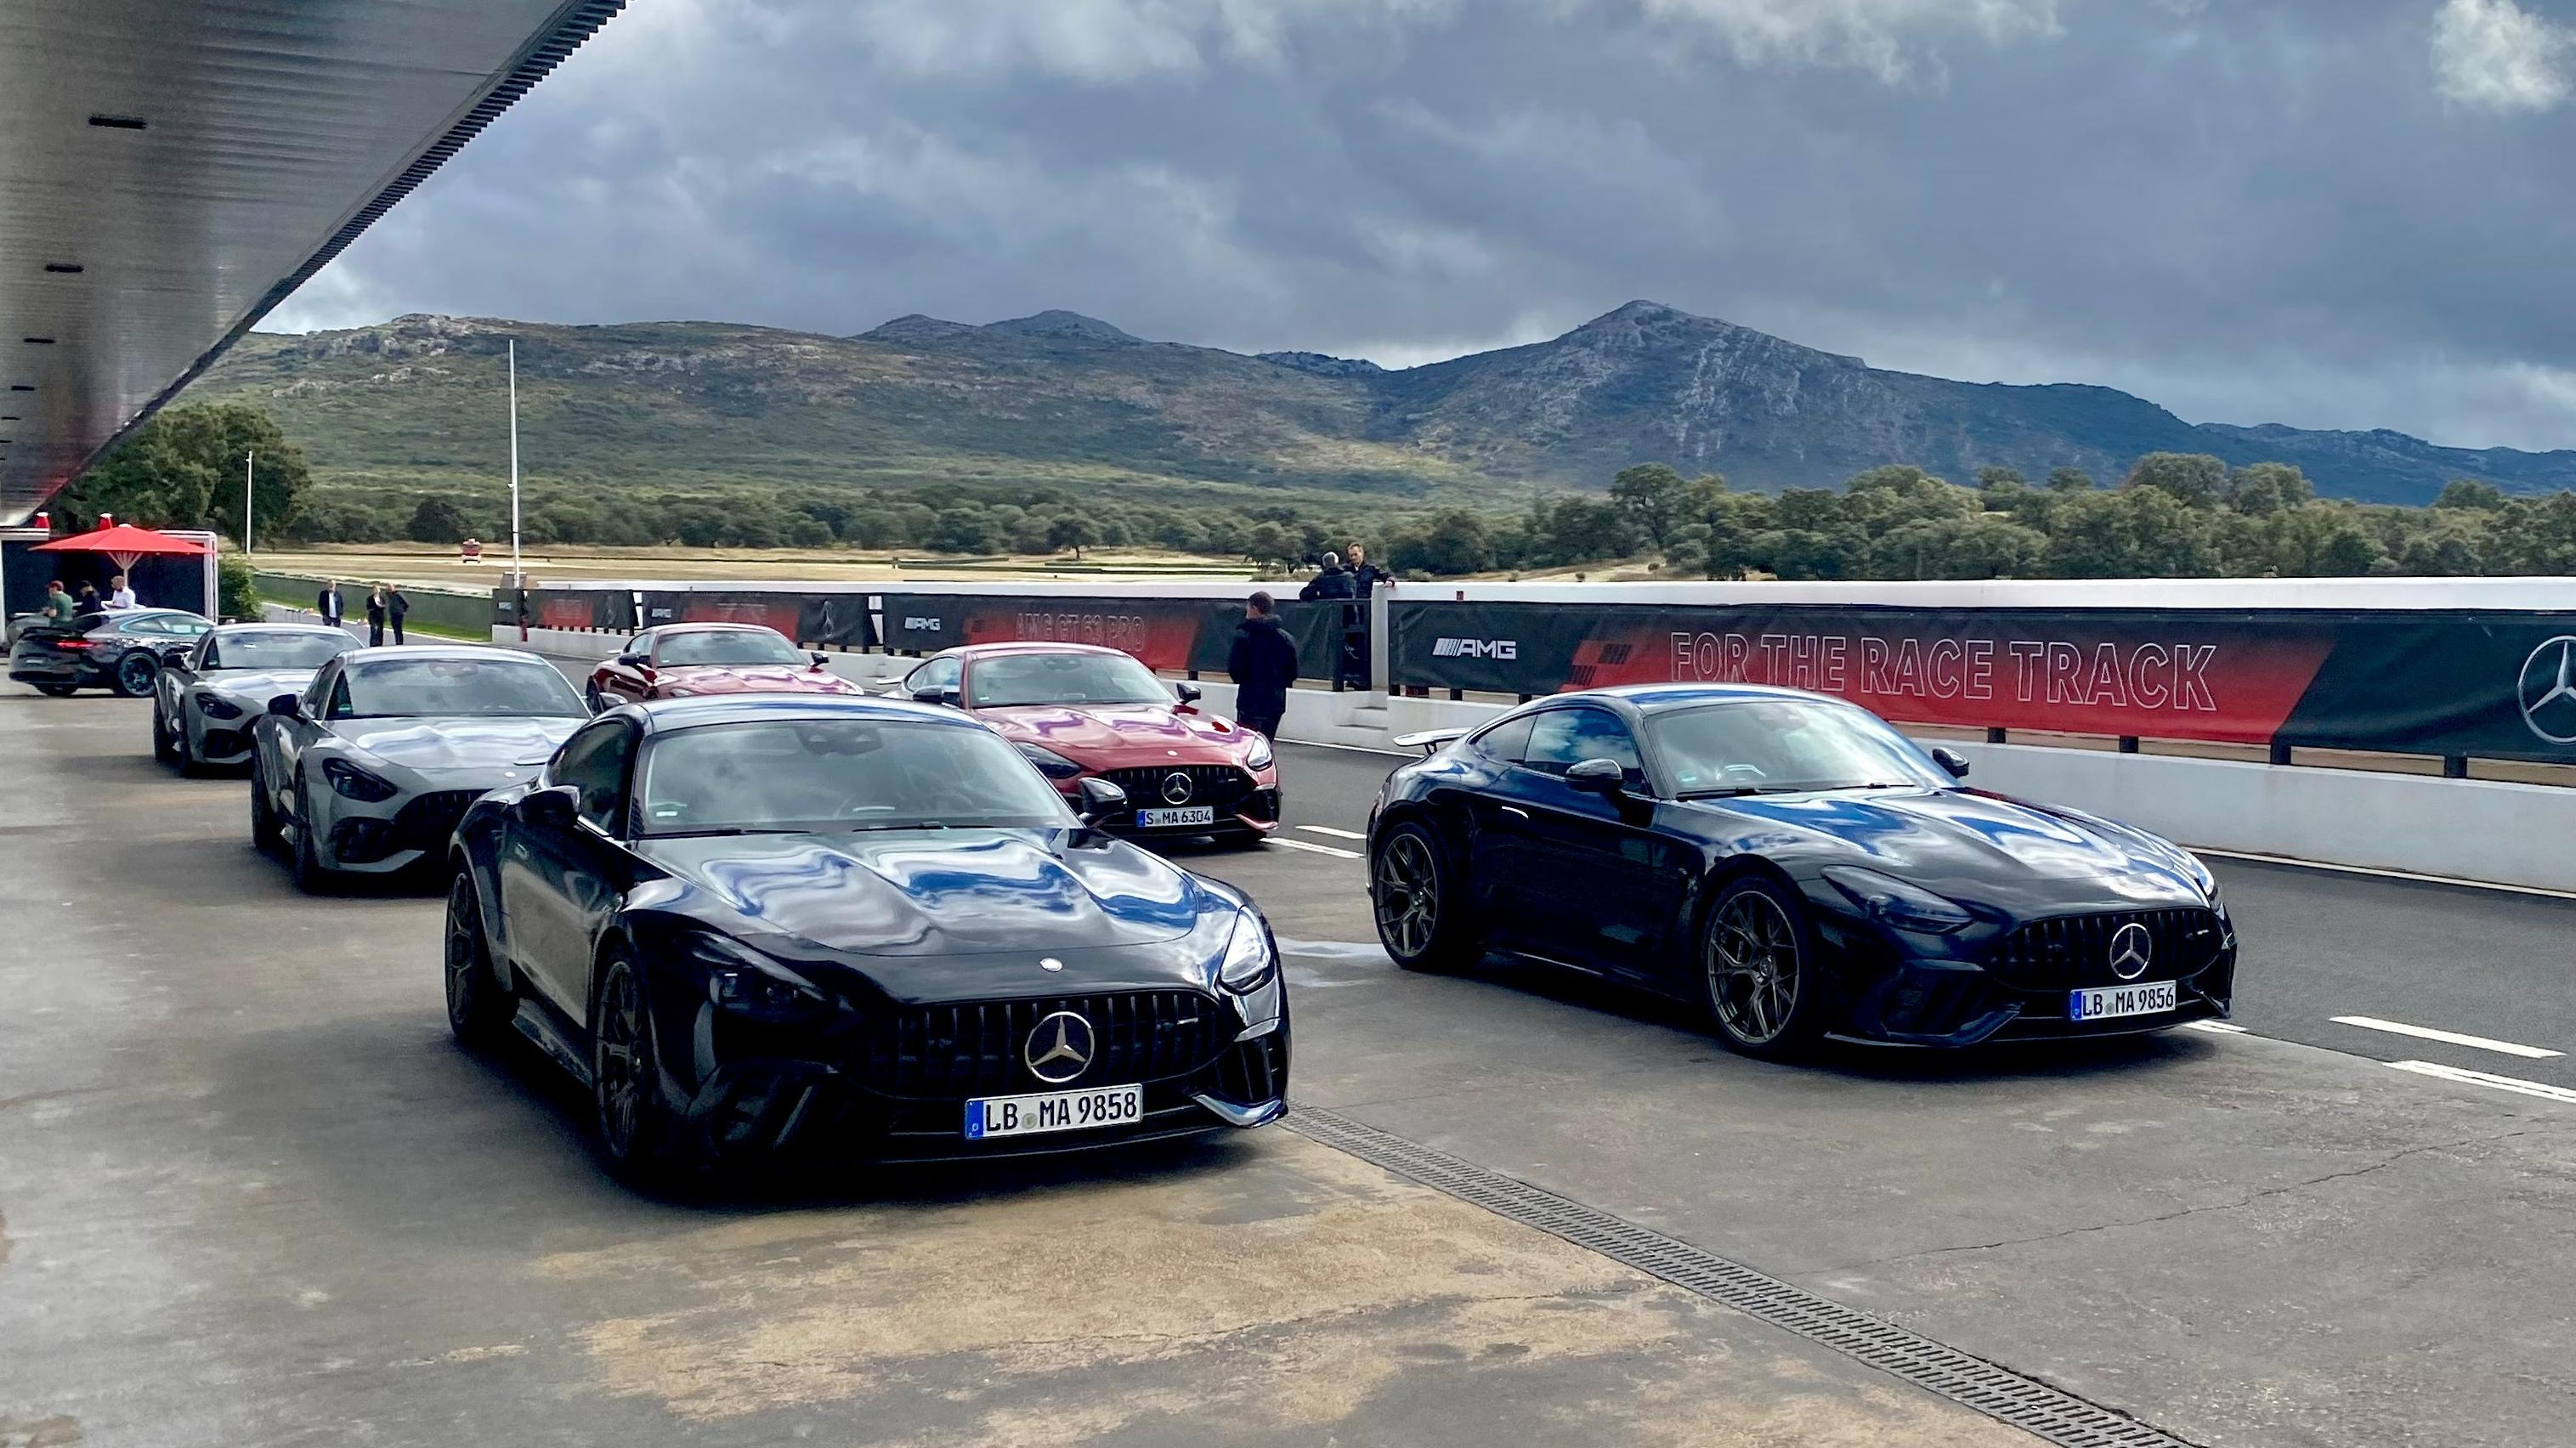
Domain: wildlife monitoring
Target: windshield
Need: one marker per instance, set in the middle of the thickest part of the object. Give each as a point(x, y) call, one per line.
point(402, 688)
point(726, 646)
point(276, 650)
point(1008, 679)
point(1762, 746)
point(797, 776)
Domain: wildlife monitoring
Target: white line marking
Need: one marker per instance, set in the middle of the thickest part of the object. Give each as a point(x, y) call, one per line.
point(2483, 1043)
point(2375, 872)
point(1314, 849)
point(2481, 1078)
point(1336, 834)
point(2217, 1028)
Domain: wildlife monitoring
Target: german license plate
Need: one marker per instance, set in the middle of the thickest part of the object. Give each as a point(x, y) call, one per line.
point(1197, 814)
point(2146, 998)
point(989, 1116)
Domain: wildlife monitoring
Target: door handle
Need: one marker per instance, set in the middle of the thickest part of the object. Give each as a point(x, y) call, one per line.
point(1516, 812)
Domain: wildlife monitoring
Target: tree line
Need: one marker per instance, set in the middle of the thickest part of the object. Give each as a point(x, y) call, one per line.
point(2173, 515)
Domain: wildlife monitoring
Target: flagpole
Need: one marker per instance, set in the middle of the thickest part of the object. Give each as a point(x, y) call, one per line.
point(247, 456)
point(518, 578)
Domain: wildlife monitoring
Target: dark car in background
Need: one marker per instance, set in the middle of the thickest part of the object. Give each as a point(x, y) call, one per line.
point(122, 651)
point(1794, 865)
point(862, 929)
point(207, 698)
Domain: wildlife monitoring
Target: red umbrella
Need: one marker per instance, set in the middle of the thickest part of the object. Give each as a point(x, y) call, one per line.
point(124, 542)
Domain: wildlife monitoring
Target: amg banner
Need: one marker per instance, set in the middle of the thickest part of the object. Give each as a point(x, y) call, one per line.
point(808, 618)
point(2496, 685)
point(1166, 633)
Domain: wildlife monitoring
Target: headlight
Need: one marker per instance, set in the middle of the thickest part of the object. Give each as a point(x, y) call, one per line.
point(680, 693)
point(1249, 962)
point(746, 983)
point(215, 706)
point(1050, 763)
point(1895, 903)
point(1256, 755)
point(351, 782)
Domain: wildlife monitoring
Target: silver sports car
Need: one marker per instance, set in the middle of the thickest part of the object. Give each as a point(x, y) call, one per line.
point(369, 768)
point(205, 700)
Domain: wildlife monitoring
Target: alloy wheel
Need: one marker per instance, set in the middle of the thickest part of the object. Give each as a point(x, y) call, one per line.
point(1408, 895)
point(620, 1063)
point(1754, 969)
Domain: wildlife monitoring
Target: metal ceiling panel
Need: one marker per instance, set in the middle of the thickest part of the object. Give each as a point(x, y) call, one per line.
point(171, 169)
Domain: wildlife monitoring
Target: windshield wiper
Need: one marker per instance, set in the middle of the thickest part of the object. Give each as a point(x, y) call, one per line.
point(917, 825)
point(717, 831)
point(1741, 790)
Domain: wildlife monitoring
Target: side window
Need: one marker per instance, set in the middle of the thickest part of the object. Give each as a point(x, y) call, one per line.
point(188, 628)
point(204, 656)
point(148, 624)
point(317, 691)
point(939, 673)
point(594, 761)
point(1562, 738)
point(640, 644)
point(1506, 741)
point(341, 708)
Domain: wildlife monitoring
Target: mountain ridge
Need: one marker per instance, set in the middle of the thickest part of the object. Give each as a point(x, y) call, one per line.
point(1057, 393)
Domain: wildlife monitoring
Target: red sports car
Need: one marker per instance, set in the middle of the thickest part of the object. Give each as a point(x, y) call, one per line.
point(679, 660)
point(1078, 711)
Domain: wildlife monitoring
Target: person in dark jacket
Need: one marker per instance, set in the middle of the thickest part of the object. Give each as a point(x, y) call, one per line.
point(1365, 576)
point(1263, 664)
point(327, 603)
point(376, 616)
point(395, 607)
point(1332, 582)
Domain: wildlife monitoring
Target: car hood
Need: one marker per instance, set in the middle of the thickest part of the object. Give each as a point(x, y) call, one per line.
point(1105, 734)
point(751, 678)
point(1975, 846)
point(261, 685)
point(936, 892)
point(470, 742)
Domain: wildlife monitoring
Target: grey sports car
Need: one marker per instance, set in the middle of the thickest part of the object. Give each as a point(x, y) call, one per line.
point(205, 701)
point(369, 768)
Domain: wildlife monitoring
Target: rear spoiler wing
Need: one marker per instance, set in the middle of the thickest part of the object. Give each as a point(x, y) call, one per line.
point(1429, 740)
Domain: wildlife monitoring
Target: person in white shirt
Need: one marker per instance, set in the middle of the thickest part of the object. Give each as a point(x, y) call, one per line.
point(120, 593)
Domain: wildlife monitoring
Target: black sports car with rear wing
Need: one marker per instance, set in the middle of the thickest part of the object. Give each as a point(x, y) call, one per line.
point(862, 929)
point(1795, 866)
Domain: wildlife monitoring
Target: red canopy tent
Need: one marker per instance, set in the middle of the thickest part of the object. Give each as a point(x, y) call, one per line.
point(123, 542)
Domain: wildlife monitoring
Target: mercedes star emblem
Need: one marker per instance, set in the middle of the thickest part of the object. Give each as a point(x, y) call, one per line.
point(1176, 788)
point(2547, 690)
point(2132, 949)
point(1050, 963)
point(1059, 1049)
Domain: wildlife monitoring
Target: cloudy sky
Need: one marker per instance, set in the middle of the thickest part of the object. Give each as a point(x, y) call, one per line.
point(2333, 213)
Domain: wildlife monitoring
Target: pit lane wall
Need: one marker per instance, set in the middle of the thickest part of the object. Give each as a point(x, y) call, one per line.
point(2446, 667)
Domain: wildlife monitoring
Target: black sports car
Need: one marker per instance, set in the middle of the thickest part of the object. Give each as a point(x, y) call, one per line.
point(861, 927)
point(1796, 866)
point(122, 650)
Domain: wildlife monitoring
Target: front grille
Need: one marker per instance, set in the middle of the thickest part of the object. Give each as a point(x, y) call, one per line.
point(951, 1052)
point(2075, 950)
point(428, 821)
point(1221, 785)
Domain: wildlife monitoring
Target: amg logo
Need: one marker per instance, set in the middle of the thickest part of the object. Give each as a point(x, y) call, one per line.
point(1475, 648)
point(922, 625)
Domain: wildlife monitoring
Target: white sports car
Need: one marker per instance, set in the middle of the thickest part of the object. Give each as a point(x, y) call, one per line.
point(205, 700)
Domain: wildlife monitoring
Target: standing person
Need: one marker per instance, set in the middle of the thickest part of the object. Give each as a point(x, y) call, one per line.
point(89, 601)
point(120, 594)
point(1263, 664)
point(59, 605)
point(1331, 582)
point(395, 607)
point(376, 617)
point(328, 604)
point(1365, 575)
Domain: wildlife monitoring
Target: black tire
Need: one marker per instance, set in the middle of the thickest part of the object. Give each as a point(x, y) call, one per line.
point(58, 691)
point(167, 747)
point(1759, 973)
point(1417, 897)
point(638, 1139)
point(265, 836)
point(136, 673)
point(478, 1006)
point(311, 875)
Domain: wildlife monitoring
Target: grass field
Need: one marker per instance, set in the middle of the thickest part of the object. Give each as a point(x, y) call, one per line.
point(420, 565)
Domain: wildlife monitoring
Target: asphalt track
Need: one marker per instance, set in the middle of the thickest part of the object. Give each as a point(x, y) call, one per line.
point(250, 1193)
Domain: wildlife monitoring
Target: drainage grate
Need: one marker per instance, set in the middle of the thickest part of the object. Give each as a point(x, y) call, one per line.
point(2032, 1406)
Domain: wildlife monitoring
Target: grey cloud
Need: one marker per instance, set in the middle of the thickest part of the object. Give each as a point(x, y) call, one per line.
point(2261, 210)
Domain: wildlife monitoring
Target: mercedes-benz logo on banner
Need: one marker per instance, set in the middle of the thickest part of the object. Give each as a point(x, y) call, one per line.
point(1176, 787)
point(2547, 690)
point(2132, 951)
point(1059, 1049)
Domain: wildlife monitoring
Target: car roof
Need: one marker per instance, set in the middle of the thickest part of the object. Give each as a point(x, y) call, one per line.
point(666, 714)
point(436, 651)
point(711, 627)
point(1030, 646)
point(1655, 698)
point(229, 630)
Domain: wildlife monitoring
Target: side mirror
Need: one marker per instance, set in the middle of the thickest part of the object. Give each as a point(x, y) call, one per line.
point(1100, 799)
point(1598, 776)
point(935, 696)
point(550, 808)
point(821, 659)
point(286, 706)
point(1190, 693)
point(632, 661)
point(1951, 760)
